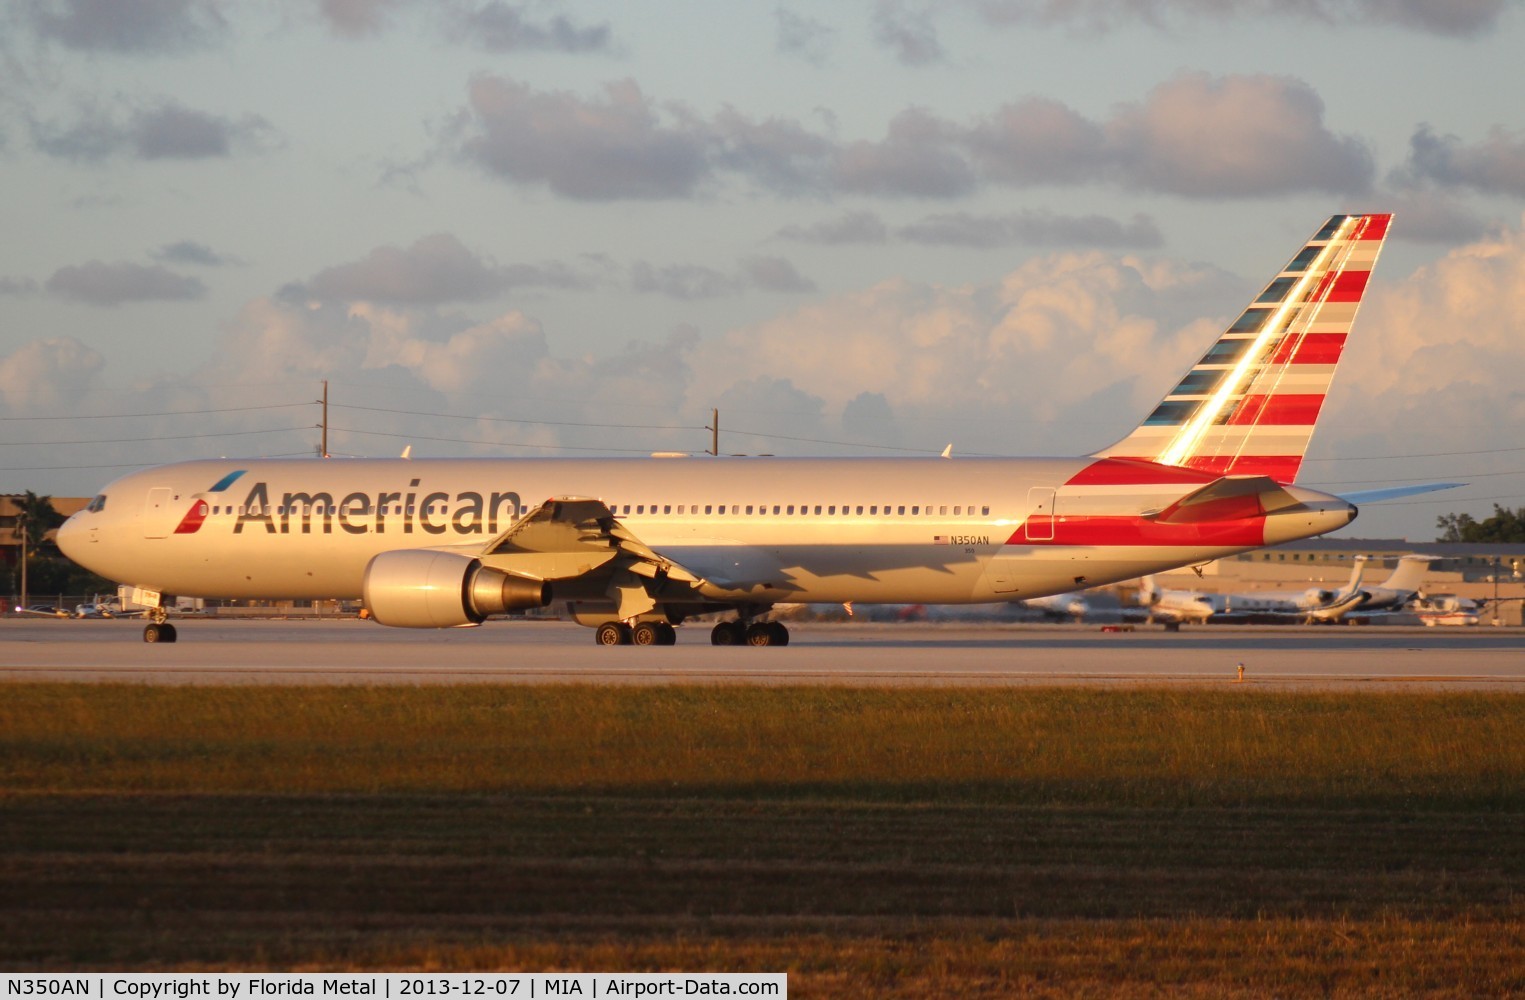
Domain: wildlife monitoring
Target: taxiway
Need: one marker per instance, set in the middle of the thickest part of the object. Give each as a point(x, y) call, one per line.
point(355, 652)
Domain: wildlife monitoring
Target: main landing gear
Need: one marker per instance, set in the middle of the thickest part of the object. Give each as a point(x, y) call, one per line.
point(159, 630)
point(639, 634)
point(735, 633)
point(756, 634)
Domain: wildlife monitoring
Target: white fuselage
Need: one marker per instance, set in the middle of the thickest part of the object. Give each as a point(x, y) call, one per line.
point(763, 530)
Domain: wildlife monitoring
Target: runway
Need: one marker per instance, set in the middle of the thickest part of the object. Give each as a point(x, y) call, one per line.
point(355, 652)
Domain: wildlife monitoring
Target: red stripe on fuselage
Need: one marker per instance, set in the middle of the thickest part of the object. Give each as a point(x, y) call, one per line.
point(1135, 472)
point(1282, 468)
point(1135, 530)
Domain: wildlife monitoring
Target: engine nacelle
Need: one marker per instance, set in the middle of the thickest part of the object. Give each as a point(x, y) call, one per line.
point(424, 588)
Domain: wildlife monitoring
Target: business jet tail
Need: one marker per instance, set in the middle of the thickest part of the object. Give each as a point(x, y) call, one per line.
point(1248, 408)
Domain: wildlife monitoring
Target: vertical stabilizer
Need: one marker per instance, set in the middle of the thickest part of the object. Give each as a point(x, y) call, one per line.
point(1408, 574)
point(1250, 405)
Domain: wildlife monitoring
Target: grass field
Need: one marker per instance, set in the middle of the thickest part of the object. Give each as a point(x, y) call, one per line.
point(917, 842)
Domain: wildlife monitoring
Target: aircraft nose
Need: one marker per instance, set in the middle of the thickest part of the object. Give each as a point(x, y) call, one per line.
point(71, 537)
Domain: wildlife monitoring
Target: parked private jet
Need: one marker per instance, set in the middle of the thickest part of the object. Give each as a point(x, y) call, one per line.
point(634, 547)
point(1313, 604)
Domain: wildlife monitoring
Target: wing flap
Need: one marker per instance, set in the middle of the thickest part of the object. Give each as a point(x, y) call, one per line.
point(573, 536)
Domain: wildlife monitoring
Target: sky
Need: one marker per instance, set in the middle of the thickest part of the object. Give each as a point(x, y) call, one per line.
point(876, 227)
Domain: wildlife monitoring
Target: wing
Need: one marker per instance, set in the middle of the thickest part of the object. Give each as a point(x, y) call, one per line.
point(579, 542)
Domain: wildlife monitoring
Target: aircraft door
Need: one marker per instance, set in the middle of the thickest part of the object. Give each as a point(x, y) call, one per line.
point(158, 515)
point(1040, 513)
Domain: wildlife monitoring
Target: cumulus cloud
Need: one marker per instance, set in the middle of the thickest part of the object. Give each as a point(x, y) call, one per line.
point(141, 26)
point(611, 147)
point(504, 27)
point(1194, 135)
point(97, 283)
point(1456, 18)
point(918, 156)
point(1494, 166)
point(803, 37)
point(47, 374)
point(1040, 141)
point(848, 228)
point(166, 131)
point(909, 32)
point(435, 269)
point(1429, 216)
point(191, 252)
point(1437, 354)
point(357, 18)
point(697, 281)
point(1034, 350)
point(1034, 228)
point(1238, 136)
point(775, 274)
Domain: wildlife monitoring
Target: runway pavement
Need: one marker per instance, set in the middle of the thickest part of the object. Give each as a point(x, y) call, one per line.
point(354, 652)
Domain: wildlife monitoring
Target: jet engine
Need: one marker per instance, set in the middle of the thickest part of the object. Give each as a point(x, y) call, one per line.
point(427, 588)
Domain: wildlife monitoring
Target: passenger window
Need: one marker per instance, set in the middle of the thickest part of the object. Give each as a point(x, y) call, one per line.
point(709, 508)
point(901, 509)
point(984, 511)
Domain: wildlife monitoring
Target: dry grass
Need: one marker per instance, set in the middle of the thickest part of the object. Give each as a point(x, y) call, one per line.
point(925, 843)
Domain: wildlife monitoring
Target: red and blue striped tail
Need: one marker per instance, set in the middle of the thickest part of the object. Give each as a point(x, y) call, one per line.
point(1250, 405)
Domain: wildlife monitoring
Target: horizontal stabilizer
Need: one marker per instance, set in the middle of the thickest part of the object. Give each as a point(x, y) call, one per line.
point(1228, 499)
point(1395, 492)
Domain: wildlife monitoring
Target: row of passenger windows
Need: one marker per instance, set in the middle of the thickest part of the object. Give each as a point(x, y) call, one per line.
point(825, 510)
point(687, 510)
point(397, 510)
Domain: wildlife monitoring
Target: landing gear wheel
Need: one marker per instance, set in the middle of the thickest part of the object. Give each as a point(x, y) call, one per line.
point(766, 634)
point(727, 634)
point(666, 634)
point(159, 633)
point(612, 634)
point(646, 634)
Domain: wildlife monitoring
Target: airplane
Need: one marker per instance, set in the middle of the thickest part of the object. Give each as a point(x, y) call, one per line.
point(1401, 586)
point(1068, 605)
point(1314, 604)
point(634, 547)
point(1447, 609)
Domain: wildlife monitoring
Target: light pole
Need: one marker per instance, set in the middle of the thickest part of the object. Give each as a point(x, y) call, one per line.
point(23, 528)
point(1495, 590)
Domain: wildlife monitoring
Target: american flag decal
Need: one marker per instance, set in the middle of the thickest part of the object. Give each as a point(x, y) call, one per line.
point(939, 539)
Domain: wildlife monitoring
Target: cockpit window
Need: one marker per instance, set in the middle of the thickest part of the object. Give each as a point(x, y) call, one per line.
point(97, 505)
